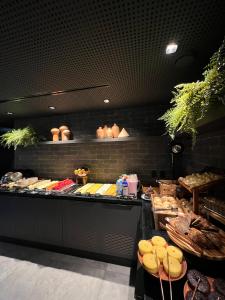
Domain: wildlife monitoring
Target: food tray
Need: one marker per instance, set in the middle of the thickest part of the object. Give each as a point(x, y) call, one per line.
point(201, 187)
point(163, 274)
point(207, 254)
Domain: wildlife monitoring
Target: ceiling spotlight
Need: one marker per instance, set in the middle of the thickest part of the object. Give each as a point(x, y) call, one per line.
point(51, 107)
point(171, 48)
point(9, 113)
point(106, 101)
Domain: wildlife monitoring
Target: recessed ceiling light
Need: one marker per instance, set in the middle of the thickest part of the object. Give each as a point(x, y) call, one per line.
point(51, 107)
point(171, 48)
point(9, 113)
point(106, 101)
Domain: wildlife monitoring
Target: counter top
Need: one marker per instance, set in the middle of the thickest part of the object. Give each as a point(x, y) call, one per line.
point(74, 197)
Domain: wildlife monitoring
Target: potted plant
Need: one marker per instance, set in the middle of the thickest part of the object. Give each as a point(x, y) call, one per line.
point(19, 137)
point(192, 101)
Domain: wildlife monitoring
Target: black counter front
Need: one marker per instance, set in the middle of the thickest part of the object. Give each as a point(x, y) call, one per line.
point(101, 228)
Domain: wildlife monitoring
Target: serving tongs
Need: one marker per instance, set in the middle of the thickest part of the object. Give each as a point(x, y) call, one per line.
point(170, 283)
point(174, 209)
point(196, 288)
point(160, 279)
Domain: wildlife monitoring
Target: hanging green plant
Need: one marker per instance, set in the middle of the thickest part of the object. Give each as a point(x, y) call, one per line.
point(19, 137)
point(191, 101)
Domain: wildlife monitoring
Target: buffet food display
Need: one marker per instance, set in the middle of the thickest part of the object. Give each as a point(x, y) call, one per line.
point(162, 260)
point(197, 179)
point(197, 235)
point(47, 186)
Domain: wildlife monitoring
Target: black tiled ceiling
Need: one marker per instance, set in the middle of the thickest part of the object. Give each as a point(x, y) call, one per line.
point(46, 46)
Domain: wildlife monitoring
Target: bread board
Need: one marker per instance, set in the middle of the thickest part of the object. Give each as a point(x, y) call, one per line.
point(207, 254)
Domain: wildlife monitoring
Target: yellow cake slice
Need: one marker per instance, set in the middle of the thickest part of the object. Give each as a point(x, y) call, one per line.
point(158, 241)
point(175, 252)
point(144, 247)
point(161, 252)
point(150, 263)
point(175, 267)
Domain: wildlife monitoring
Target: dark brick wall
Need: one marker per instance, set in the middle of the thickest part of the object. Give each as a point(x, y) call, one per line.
point(138, 121)
point(106, 160)
point(209, 151)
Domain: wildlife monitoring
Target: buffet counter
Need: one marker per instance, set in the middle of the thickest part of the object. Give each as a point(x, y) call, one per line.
point(98, 227)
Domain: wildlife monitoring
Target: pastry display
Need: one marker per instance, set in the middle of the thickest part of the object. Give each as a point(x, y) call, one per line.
point(144, 247)
point(164, 202)
point(197, 235)
point(197, 179)
point(156, 248)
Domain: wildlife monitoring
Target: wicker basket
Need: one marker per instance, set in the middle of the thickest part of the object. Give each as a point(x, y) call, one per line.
point(168, 187)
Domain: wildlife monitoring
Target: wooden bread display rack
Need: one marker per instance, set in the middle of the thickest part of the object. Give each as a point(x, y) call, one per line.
point(198, 189)
point(185, 243)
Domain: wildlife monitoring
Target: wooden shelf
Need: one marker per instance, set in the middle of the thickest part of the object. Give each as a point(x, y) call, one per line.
point(196, 190)
point(86, 140)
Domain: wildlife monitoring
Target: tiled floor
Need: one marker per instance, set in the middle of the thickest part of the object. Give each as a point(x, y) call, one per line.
point(33, 274)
